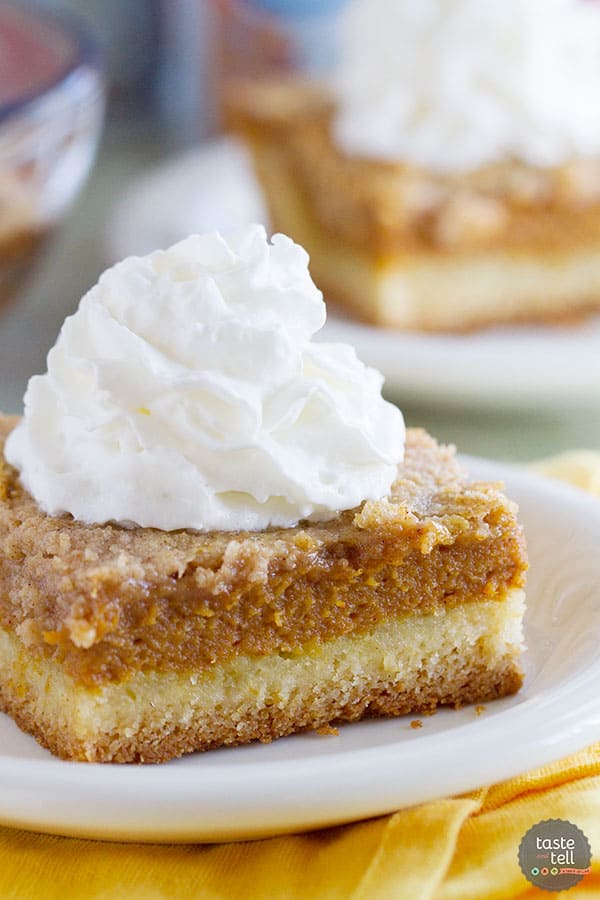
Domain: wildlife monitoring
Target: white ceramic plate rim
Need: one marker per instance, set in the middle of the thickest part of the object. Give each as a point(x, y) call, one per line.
point(546, 368)
point(190, 801)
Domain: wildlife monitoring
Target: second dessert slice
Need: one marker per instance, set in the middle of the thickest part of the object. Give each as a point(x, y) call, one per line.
point(138, 645)
point(212, 528)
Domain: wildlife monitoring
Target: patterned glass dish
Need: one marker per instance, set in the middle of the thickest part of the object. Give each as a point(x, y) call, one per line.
point(51, 109)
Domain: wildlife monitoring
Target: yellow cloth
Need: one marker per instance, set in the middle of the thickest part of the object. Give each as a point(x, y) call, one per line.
point(463, 848)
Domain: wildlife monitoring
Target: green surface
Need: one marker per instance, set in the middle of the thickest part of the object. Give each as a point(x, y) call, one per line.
point(515, 438)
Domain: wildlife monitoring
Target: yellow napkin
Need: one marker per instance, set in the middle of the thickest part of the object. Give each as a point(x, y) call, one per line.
point(462, 848)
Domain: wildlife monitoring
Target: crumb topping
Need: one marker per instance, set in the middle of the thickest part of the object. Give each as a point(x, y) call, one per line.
point(390, 207)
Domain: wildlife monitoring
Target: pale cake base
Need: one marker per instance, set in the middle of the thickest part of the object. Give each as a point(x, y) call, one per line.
point(463, 654)
point(431, 291)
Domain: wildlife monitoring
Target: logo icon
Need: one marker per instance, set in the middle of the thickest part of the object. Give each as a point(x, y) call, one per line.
point(554, 855)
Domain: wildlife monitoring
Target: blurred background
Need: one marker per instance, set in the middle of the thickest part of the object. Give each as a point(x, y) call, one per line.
point(128, 96)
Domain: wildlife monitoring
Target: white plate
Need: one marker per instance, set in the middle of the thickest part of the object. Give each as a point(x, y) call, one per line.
point(371, 767)
point(551, 368)
point(554, 367)
point(206, 189)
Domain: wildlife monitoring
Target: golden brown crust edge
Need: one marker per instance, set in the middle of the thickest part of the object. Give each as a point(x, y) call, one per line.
point(346, 302)
point(475, 683)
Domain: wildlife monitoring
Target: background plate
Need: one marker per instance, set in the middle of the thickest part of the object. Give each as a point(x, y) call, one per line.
point(513, 368)
point(371, 767)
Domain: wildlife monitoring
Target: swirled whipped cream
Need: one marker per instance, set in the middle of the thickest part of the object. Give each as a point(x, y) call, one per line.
point(452, 85)
point(186, 392)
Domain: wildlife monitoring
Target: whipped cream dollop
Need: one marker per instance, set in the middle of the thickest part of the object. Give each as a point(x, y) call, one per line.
point(453, 85)
point(187, 392)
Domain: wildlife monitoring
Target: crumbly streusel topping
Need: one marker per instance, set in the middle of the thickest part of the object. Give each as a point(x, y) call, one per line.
point(367, 199)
